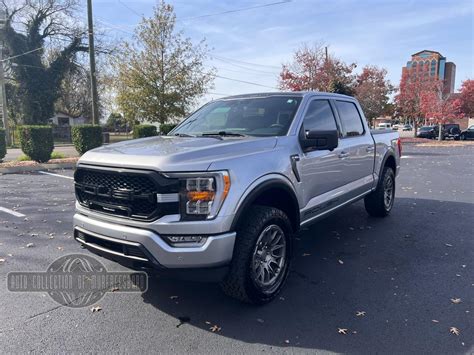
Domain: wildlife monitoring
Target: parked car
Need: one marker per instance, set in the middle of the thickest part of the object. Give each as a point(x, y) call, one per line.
point(407, 127)
point(396, 127)
point(227, 189)
point(429, 132)
point(451, 130)
point(467, 133)
point(384, 126)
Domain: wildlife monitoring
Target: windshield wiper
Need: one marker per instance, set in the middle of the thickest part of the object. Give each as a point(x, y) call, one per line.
point(184, 135)
point(224, 134)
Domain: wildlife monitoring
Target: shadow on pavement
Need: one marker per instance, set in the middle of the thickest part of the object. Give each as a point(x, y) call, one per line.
point(396, 270)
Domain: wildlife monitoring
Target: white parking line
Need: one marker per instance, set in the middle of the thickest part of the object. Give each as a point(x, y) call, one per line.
point(13, 213)
point(62, 176)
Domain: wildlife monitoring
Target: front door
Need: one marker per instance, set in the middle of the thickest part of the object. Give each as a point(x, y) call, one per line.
point(321, 171)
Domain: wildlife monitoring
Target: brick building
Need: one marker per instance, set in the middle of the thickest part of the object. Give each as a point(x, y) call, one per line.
point(431, 65)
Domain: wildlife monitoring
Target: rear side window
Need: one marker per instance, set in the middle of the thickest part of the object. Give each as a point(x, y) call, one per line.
point(350, 119)
point(319, 116)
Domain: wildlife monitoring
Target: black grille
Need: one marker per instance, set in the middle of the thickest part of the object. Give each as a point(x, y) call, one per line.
point(125, 192)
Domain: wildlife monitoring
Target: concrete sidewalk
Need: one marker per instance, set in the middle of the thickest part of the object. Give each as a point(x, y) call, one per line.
point(67, 150)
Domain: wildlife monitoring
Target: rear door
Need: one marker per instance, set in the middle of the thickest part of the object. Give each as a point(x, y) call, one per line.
point(357, 154)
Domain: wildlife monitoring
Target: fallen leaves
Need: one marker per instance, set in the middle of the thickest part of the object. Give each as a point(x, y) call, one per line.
point(340, 262)
point(342, 331)
point(96, 309)
point(448, 245)
point(214, 328)
point(454, 330)
point(2, 260)
point(305, 254)
point(456, 300)
point(435, 321)
point(30, 245)
point(360, 313)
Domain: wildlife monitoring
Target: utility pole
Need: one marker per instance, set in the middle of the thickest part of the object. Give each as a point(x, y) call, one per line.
point(3, 99)
point(95, 111)
point(326, 52)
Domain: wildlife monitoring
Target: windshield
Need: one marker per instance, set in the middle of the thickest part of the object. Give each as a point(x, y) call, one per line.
point(264, 116)
point(426, 128)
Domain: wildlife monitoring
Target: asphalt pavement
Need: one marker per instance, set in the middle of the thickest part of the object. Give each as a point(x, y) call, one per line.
point(393, 285)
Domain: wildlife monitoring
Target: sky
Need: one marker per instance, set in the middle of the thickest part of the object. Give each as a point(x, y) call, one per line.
point(251, 41)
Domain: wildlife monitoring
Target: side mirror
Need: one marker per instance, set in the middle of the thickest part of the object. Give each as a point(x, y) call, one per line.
point(319, 140)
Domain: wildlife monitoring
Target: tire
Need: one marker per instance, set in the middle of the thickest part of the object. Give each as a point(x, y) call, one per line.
point(379, 203)
point(245, 280)
point(463, 137)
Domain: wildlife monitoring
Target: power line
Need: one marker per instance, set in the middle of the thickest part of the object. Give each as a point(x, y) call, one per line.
point(235, 10)
point(241, 61)
point(21, 54)
point(245, 82)
point(253, 71)
point(129, 8)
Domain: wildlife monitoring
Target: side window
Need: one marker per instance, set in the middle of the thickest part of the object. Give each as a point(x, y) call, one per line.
point(319, 116)
point(350, 119)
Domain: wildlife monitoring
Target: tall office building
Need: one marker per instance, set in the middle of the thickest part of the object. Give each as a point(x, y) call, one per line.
point(431, 65)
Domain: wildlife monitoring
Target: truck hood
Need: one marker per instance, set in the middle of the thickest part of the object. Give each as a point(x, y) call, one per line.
point(168, 153)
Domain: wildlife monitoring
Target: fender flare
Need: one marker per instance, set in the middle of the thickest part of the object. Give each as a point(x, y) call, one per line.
point(389, 154)
point(261, 188)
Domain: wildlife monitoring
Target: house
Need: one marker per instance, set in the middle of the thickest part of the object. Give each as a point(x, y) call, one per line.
point(61, 119)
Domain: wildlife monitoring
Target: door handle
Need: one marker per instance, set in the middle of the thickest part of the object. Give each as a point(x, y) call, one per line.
point(370, 149)
point(343, 155)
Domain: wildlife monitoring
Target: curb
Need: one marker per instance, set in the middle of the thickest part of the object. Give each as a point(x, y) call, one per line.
point(38, 167)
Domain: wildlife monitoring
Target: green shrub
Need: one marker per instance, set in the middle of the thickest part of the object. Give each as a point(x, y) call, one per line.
point(144, 130)
point(86, 137)
point(3, 144)
point(166, 128)
point(37, 142)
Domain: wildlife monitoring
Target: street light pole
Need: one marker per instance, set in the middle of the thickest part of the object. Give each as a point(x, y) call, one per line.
point(95, 111)
point(3, 98)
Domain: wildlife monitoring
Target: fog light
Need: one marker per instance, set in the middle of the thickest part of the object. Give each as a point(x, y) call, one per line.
point(186, 240)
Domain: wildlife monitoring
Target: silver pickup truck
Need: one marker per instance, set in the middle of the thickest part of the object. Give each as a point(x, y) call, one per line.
point(224, 193)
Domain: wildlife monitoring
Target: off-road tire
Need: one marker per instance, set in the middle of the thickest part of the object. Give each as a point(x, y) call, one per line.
point(238, 283)
point(375, 204)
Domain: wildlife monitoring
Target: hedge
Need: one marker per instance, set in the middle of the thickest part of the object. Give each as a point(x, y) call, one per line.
point(144, 130)
point(37, 142)
point(3, 144)
point(86, 137)
point(166, 128)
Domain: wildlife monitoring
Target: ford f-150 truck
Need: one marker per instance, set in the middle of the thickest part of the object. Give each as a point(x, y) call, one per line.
point(226, 190)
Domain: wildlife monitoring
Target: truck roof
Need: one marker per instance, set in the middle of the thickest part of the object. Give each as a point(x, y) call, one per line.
point(287, 93)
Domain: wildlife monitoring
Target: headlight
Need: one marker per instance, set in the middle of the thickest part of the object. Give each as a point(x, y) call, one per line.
point(202, 194)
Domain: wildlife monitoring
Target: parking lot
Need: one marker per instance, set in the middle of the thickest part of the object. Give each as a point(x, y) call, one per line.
point(396, 285)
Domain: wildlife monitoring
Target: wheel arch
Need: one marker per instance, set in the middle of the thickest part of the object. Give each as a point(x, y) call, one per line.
point(273, 192)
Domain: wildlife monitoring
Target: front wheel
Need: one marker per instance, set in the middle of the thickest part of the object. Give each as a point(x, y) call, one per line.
point(463, 137)
point(379, 203)
point(262, 255)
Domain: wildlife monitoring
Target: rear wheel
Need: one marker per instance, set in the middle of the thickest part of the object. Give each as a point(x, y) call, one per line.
point(262, 255)
point(379, 203)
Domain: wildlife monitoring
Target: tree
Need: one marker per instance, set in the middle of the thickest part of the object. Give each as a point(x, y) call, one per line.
point(116, 122)
point(311, 70)
point(372, 89)
point(467, 97)
point(160, 74)
point(75, 94)
point(29, 28)
point(439, 108)
point(408, 99)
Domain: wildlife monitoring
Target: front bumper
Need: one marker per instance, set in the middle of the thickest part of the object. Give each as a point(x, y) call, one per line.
point(132, 244)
